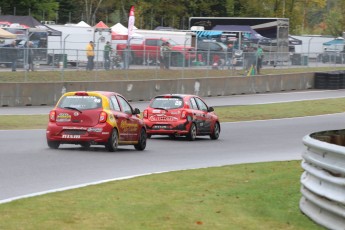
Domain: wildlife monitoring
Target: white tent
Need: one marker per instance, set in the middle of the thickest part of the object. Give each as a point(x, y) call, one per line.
point(120, 32)
point(83, 24)
point(79, 24)
point(119, 29)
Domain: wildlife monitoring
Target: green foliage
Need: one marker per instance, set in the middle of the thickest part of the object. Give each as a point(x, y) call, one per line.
point(312, 16)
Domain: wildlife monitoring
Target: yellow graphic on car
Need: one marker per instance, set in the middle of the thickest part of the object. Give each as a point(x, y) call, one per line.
point(128, 127)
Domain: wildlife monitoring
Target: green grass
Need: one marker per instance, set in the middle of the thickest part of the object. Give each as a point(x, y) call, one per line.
point(248, 196)
point(140, 74)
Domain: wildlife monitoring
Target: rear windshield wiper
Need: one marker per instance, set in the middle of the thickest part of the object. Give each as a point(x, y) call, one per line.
point(73, 108)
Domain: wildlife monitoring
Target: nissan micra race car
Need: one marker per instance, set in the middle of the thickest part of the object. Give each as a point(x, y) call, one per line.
point(95, 118)
point(180, 115)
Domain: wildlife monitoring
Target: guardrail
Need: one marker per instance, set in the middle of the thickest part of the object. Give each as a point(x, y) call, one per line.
point(323, 181)
point(47, 93)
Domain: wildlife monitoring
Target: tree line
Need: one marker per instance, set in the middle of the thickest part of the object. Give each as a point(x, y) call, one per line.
point(324, 17)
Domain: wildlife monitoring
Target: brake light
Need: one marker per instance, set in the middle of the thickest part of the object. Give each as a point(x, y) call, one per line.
point(103, 117)
point(52, 116)
point(184, 114)
point(81, 94)
point(167, 96)
point(145, 113)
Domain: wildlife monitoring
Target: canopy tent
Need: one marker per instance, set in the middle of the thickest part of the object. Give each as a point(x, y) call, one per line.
point(23, 21)
point(101, 24)
point(335, 42)
point(7, 35)
point(82, 24)
point(120, 32)
point(26, 22)
point(79, 24)
point(207, 33)
point(247, 31)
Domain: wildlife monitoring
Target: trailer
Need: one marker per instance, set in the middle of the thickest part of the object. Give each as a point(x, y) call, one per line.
point(184, 38)
point(275, 29)
point(70, 47)
point(311, 46)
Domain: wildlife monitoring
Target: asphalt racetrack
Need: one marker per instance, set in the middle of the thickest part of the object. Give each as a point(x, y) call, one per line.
point(28, 167)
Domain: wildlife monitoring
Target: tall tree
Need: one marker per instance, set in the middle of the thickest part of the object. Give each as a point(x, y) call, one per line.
point(39, 9)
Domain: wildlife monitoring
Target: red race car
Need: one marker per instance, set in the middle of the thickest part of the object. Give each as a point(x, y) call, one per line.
point(95, 118)
point(180, 115)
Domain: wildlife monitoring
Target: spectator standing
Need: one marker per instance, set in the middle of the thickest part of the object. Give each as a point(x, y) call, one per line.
point(106, 52)
point(259, 56)
point(166, 54)
point(13, 55)
point(127, 57)
point(30, 56)
point(90, 53)
point(161, 56)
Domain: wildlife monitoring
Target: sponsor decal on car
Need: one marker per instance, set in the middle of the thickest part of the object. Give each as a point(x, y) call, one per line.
point(128, 127)
point(63, 117)
point(71, 136)
point(95, 130)
point(74, 128)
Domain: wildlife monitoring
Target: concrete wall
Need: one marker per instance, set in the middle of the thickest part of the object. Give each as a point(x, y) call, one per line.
point(36, 94)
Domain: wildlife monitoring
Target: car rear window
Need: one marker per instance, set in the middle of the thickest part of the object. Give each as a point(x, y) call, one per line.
point(167, 103)
point(81, 102)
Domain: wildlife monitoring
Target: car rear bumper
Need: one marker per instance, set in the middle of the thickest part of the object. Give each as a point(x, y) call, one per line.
point(180, 128)
point(95, 134)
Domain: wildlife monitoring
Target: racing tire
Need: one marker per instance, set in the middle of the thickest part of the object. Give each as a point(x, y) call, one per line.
point(53, 144)
point(216, 131)
point(192, 133)
point(142, 141)
point(113, 141)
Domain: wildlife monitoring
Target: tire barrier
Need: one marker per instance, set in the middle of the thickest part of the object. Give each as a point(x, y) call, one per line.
point(37, 94)
point(330, 80)
point(323, 179)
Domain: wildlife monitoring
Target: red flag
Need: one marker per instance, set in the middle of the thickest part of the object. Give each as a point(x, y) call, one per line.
point(131, 20)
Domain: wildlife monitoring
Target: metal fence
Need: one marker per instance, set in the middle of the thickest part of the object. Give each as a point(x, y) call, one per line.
point(48, 59)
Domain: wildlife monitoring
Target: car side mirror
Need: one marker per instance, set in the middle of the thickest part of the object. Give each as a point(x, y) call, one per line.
point(210, 109)
point(136, 111)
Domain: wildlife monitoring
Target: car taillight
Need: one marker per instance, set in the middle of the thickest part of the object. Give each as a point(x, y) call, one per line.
point(184, 114)
point(103, 117)
point(145, 113)
point(52, 116)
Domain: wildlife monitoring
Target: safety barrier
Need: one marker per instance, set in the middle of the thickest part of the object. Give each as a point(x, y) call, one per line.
point(330, 80)
point(323, 181)
point(36, 94)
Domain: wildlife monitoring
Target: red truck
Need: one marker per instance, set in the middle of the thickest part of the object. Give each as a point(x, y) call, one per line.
point(149, 50)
